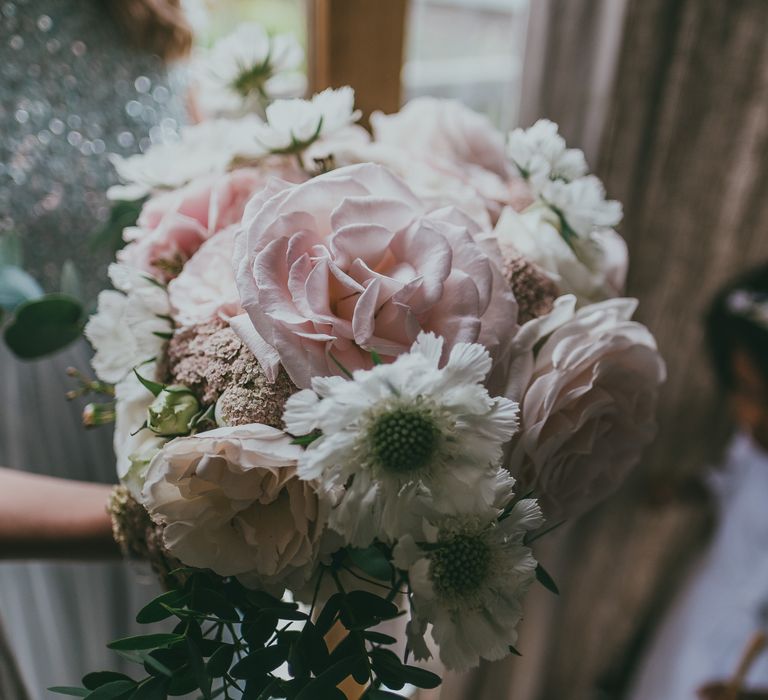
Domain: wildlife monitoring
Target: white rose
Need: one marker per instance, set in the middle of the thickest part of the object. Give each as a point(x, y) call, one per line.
point(593, 267)
point(230, 501)
point(588, 395)
point(130, 325)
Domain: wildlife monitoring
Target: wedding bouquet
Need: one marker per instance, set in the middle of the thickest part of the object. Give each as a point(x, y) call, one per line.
point(353, 375)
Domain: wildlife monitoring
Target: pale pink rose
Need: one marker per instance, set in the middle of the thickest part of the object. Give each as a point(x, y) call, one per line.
point(446, 128)
point(588, 397)
point(447, 150)
point(206, 287)
point(231, 502)
point(353, 261)
point(173, 225)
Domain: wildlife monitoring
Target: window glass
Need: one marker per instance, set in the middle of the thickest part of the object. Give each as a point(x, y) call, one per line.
point(471, 50)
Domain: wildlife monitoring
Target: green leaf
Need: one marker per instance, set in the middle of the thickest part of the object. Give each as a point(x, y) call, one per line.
point(70, 281)
point(145, 641)
point(364, 609)
point(546, 580)
point(45, 325)
point(99, 678)
point(330, 678)
point(308, 439)
point(329, 612)
point(379, 637)
point(420, 677)
point(208, 601)
point(260, 661)
point(157, 609)
point(376, 358)
point(372, 561)
point(388, 668)
point(16, 287)
point(123, 214)
point(315, 648)
point(220, 660)
point(155, 688)
point(112, 691)
point(197, 664)
point(153, 387)
point(258, 628)
point(67, 690)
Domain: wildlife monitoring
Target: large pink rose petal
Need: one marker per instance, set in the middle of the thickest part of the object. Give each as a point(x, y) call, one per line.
point(353, 261)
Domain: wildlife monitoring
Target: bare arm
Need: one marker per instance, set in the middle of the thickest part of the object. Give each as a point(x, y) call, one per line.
point(46, 517)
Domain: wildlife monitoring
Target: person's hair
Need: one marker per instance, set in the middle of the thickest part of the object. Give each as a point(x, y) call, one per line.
point(737, 319)
point(157, 26)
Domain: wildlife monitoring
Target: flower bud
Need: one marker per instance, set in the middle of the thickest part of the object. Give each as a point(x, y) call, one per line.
point(172, 411)
point(98, 414)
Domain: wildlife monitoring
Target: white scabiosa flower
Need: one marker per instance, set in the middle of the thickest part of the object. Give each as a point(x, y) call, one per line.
point(246, 69)
point(130, 325)
point(540, 154)
point(201, 149)
point(293, 125)
point(582, 204)
point(405, 439)
point(467, 580)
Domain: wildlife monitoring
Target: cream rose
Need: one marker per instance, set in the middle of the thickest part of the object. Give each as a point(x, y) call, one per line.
point(588, 395)
point(353, 261)
point(231, 502)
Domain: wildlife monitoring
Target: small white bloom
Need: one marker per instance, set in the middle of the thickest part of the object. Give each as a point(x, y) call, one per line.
point(540, 154)
point(405, 439)
point(293, 125)
point(582, 204)
point(202, 149)
point(231, 502)
point(246, 68)
point(468, 579)
point(592, 267)
point(130, 325)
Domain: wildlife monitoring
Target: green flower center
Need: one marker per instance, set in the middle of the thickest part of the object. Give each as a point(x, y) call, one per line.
point(459, 565)
point(252, 80)
point(404, 439)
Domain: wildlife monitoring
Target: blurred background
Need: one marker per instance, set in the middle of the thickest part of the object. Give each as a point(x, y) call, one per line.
point(669, 101)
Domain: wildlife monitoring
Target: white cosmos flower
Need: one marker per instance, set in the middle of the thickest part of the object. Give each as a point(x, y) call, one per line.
point(246, 68)
point(293, 125)
point(405, 439)
point(130, 324)
point(582, 204)
point(467, 579)
point(202, 149)
point(540, 154)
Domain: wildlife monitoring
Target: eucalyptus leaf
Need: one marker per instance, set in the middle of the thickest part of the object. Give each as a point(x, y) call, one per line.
point(220, 660)
point(330, 678)
point(155, 688)
point(124, 213)
point(16, 287)
point(543, 577)
point(372, 561)
point(99, 678)
point(260, 662)
point(43, 326)
point(68, 690)
point(70, 283)
point(113, 691)
point(145, 641)
point(157, 609)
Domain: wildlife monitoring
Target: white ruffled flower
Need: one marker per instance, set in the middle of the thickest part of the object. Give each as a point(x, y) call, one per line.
point(593, 267)
point(134, 446)
point(293, 125)
point(231, 502)
point(202, 149)
point(540, 154)
point(582, 204)
point(247, 68)
point(130, 325)
point(468, 580)
point(405, 439)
